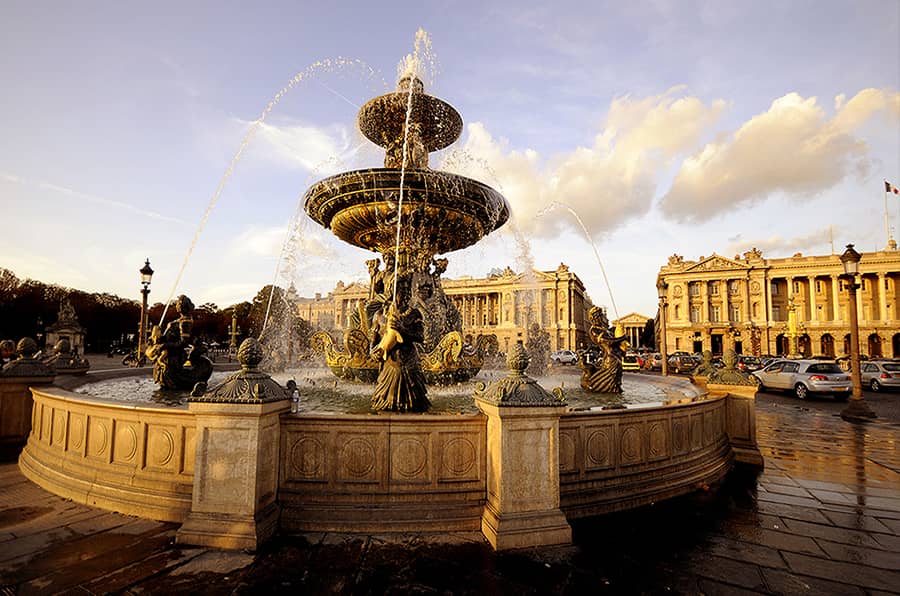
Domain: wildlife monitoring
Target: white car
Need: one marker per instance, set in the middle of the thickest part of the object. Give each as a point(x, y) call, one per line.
point(878, 375)
point(804, 377)
point(564, 357)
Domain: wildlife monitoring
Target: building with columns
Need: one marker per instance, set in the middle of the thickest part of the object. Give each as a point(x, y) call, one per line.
point(505, 304)
point(633, 325)
point(745, 303)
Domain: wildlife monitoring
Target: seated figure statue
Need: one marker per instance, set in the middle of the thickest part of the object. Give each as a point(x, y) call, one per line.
point(169, 352)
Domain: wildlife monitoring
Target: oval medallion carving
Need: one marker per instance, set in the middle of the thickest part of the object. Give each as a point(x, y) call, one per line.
point(162, 447)
point(358, 457)
point(59, 427)
point(307, 457)
point(76, 433)
point(631, 444)
point(458, 456)
point(99, 438)
point(658, 440)
point(126, 443)
point(409, 457)
point(598, 448)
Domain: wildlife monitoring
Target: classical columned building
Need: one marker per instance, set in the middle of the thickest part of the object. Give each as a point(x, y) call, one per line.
point(755, 305)
point(505, 304)
point(633, 325)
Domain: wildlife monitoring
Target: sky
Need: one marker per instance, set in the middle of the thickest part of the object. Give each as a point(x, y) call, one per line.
point(188, 132)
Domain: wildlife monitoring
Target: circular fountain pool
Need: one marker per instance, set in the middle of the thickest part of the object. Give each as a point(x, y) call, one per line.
point(321, 392)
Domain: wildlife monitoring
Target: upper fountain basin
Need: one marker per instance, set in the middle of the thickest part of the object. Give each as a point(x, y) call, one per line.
point(441, 212)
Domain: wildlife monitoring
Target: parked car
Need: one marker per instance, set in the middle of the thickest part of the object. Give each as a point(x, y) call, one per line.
point(682, 363)
point(564, 357)
point(880, 374)
point(804, 377)
point(653, 361)
point(748, 363)
point(631, 363)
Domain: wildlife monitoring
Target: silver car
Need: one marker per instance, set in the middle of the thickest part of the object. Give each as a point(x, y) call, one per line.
point(804, 377)
point(880, 374)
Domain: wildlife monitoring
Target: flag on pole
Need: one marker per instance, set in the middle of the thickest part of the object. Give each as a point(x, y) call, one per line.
point(888, 187)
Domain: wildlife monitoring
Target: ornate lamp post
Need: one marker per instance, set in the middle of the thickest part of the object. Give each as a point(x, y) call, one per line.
point(857, 409)
point(661, 289)
point(146, 275)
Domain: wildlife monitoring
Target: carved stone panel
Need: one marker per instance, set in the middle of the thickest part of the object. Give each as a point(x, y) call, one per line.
point(99, 438)
point(658, 439)
point(307, 456)
point(161, 450)
point(567, 451)
point(125, 442)
point(599, 450)
point(460, 454)
point(631, 445)
point(358, 458)
point(681, 438)
point(696, 431)
point(410, 458)
point(58, 437)
point(77, 430)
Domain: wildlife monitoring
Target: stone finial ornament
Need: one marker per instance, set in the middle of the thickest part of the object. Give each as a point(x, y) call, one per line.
point(730, 375)
point(249, 385)
point(518, 389)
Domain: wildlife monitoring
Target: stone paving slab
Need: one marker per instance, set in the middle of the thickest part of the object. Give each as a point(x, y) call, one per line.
point(822, 518)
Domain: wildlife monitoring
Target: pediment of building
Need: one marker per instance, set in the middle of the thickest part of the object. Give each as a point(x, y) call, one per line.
point(718, 263)
point(634, 318)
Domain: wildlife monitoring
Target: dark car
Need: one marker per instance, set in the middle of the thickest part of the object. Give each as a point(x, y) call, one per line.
point(682, 363)
point(748, 363)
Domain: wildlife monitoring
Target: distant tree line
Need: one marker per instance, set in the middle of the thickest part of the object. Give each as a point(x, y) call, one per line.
point(28, 306)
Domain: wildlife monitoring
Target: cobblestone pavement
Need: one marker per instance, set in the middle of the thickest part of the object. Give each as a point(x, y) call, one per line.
point(823, 518)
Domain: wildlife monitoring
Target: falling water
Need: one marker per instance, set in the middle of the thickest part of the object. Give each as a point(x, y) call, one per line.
point(587, 235)
point(321, 65)
point(411, 65)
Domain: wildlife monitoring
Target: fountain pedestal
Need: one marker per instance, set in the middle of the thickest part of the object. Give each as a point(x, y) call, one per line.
point(522, 508)
point(235, 475)
point(236, 463)
point(15, 396)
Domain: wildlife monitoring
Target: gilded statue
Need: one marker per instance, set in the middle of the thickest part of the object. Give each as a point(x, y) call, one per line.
point(604, 376)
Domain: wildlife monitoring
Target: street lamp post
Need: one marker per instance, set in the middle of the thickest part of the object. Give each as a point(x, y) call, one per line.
point(857, 409)
point(146, 275)
point(661, 289)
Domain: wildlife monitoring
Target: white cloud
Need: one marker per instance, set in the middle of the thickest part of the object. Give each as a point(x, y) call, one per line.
point(776, 245)
point(313, 148)
point(606, 184)
point(792, 148)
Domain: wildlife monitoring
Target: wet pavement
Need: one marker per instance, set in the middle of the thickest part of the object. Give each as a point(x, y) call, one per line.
point(822, 518)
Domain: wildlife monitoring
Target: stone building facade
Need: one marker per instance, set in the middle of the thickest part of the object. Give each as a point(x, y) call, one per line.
point(746, 303)
point(505, 304)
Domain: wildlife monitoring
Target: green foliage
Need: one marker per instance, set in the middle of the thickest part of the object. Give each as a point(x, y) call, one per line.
point(28, 306)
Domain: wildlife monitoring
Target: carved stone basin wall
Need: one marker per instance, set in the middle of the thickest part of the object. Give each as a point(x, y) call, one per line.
point(377, 473)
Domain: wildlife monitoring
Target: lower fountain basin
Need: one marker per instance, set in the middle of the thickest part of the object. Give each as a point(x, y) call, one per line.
point(413, 472)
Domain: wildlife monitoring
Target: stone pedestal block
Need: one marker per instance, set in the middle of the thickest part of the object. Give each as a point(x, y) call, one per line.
point(16, 403)
point(740, 422)
point(235, 475)
point(522, 507)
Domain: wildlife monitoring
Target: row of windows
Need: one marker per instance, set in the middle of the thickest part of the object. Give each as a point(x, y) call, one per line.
point(734, 286)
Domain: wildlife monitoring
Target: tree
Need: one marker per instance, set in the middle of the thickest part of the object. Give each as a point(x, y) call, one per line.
point(648, 335)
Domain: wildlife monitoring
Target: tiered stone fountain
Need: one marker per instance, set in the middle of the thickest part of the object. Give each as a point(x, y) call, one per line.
point(408, 213)
point(236, 466)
